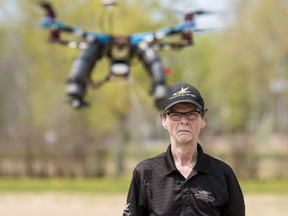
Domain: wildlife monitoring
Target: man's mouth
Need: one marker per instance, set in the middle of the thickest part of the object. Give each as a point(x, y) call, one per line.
point(184, 131)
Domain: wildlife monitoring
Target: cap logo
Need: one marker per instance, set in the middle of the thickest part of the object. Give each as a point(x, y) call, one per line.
point(182, 92)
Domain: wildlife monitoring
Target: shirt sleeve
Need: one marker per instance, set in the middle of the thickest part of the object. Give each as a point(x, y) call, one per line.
point(136, 204)
point(236, 205)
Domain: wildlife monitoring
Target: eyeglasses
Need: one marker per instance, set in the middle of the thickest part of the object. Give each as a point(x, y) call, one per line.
point(176, 116)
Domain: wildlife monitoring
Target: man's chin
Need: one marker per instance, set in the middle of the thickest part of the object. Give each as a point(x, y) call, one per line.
point(185, 139)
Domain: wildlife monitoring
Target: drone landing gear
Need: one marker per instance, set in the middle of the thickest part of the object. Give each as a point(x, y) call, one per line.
point(152, 62)
point(78, 103)
point(76, 92)
point(160, 95)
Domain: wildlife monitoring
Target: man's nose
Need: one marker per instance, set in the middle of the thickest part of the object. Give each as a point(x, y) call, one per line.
point(184, 120)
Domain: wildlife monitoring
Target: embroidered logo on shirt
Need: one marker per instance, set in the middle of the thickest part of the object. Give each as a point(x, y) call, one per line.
point(205, 196)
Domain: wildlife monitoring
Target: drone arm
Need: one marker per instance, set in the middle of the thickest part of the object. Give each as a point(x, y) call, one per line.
point(57, 27)
point(185, 29)
point(152, 62)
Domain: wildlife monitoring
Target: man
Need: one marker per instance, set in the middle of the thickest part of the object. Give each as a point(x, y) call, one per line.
point(184, 180)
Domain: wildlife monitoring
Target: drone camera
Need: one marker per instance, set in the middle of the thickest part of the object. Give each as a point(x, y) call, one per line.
point(119, 70)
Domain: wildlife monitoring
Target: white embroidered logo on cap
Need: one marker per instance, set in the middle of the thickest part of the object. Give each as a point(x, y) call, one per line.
point(182, 91)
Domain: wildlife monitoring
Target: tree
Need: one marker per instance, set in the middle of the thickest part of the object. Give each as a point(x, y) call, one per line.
point(246, 62)
point(40, 105)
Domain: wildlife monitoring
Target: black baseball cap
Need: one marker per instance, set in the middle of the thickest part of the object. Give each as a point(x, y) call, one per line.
point(182, 92)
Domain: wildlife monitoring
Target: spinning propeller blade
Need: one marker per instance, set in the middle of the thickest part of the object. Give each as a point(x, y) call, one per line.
point(50, 12)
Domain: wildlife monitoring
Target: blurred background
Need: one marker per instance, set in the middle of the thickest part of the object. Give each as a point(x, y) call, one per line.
point(241, 70)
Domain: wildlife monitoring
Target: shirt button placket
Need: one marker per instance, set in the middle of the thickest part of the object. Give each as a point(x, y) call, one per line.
point(185, 197)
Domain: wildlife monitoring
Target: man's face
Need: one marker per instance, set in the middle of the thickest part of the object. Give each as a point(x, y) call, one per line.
point(183, 130)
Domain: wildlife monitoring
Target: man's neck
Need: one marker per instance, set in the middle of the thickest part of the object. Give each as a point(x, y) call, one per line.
point(185, 157)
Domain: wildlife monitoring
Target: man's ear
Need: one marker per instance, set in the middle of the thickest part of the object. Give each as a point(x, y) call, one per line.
point(203, 122)
point(165, 126)
point(164, 123)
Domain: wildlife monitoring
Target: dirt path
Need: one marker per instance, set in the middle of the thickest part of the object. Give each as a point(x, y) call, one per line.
point(62, 204)
point(59, 204)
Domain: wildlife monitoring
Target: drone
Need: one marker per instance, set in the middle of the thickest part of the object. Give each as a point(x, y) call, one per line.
point(120, 50)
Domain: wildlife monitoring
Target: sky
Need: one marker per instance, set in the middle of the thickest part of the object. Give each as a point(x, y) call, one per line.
point(8, 11)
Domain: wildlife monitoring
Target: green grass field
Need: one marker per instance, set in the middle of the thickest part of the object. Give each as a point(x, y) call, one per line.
point(114, 185)
point(90, 185)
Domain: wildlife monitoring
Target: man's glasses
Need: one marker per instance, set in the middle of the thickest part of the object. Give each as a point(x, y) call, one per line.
point(176, 116)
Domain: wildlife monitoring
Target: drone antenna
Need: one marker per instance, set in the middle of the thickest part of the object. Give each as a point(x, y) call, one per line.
point(50, 12)
point(109, 5)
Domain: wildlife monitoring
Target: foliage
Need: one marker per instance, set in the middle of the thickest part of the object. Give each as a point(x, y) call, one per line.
point(268, 186)
point(247, 60)
point(33, 77)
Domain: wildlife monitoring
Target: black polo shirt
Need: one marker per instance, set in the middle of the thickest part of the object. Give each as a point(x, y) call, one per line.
point(158, 188)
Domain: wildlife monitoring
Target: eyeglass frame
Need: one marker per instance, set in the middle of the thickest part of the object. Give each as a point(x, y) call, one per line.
point(179, 117)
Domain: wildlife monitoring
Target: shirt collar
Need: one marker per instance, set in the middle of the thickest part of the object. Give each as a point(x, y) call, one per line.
point(168, 161)
point(202, 164)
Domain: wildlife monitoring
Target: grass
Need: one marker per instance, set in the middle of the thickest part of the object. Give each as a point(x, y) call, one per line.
point(265, 186)
point(114, 185)
point(79, 185)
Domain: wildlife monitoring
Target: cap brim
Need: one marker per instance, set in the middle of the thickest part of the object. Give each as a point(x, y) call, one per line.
point(183, 101)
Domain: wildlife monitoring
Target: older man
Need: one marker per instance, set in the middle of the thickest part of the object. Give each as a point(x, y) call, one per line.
point(184, 180)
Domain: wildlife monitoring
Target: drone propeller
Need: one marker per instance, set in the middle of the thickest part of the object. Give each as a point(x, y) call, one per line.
point(198, 12)
point(50, 12)
point(198, 31)
point(203, 12)
point(49, 21)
